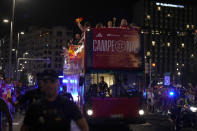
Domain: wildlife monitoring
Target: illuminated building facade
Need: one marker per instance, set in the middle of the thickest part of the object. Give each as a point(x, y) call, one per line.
point(169, 39)
point(44, 43)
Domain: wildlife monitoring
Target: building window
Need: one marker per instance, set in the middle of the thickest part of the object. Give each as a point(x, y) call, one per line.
point(148, 53)
point(56, 59)
point(183, 45)
point(69, 33)
point(60, 59)
point(148, 17)
point(50, 33)
point(168, 44)
point(153, 43)
point(49, 52)
point(159, 8)
point(49, 65)
point(59, 33)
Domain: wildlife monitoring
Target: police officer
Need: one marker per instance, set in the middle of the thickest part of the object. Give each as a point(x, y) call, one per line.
point(54, 112)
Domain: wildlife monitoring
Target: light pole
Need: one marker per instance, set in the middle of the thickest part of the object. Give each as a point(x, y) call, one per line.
point(17, 50)
point(11, 39)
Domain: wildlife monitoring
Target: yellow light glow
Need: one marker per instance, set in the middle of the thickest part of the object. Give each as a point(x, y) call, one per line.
point(153, 43)
point(183, 45)
point(5, 20)
point(153, 64)
point(168, 44)
point(148, 53)
point(148, 17)
point(158, 8)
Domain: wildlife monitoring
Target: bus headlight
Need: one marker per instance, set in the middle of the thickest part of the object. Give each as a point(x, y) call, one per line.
point(141, 112)
point(193, 109)
point(90, 112)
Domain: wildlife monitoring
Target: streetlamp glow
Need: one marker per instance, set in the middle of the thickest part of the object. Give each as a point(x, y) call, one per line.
point(168, 44)
point(22, 33)
point(5, 21)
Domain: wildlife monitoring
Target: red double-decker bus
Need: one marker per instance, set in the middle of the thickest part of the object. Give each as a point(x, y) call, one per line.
point(117, 55)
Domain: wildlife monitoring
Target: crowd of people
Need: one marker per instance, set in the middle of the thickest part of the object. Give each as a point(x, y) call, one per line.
point(161, 99)
point(46, 107)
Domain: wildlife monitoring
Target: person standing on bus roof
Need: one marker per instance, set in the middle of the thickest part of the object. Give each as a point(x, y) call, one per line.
point(109, 24)
point(124, 24)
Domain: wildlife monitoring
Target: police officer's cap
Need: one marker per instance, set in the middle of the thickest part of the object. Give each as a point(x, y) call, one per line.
point(49, 75)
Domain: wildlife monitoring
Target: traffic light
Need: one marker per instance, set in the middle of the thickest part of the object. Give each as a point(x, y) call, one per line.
point(153, 64)
point(153, 69)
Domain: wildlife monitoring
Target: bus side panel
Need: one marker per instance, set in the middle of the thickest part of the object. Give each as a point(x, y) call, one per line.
point(115, 107)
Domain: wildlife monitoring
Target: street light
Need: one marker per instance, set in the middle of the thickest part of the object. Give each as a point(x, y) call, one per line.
point(5, 21)
point(11, 38)
point(17, 50)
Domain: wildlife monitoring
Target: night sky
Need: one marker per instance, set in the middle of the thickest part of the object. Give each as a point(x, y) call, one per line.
point(63, 12)
point(46, 13)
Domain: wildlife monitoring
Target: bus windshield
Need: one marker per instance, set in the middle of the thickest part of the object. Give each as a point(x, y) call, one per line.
point(111, 85)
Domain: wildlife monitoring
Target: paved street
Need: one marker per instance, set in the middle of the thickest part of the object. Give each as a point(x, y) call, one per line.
point(155, 122)
point(18, 120)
